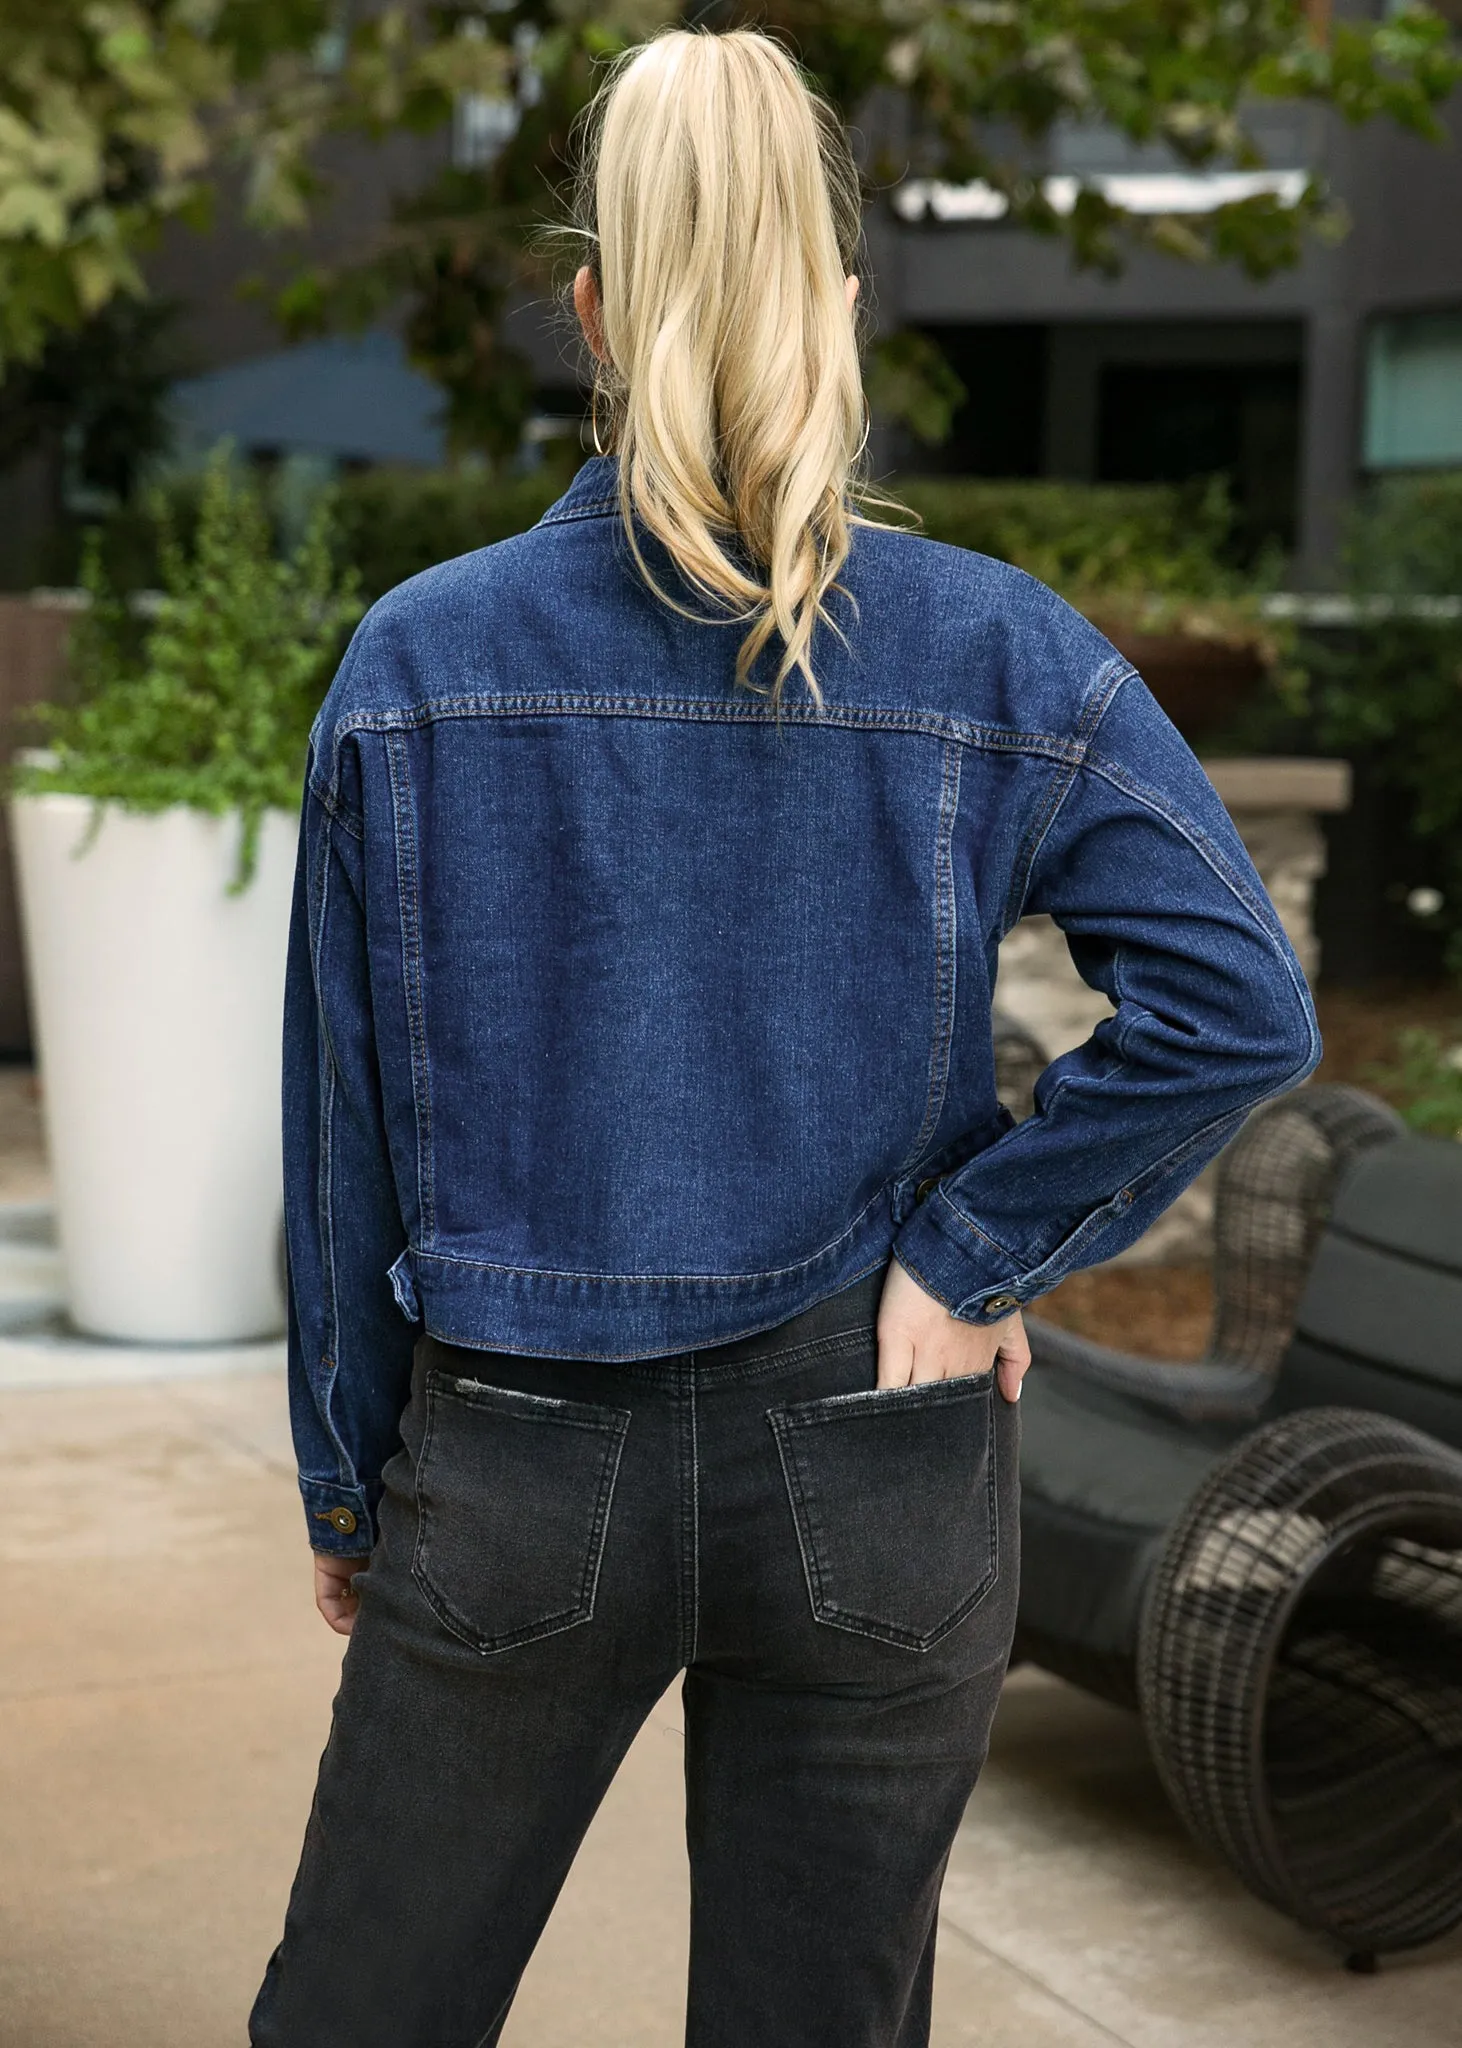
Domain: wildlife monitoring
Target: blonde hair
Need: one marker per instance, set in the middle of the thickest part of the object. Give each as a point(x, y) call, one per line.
point(723, 209)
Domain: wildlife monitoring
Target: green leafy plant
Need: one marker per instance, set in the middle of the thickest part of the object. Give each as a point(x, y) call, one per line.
point(1425, 1081)
point(1137, 558)
point(206, 700)
point(1389, 689)
point(1144, 540)
point(1152, 557)
point(390, 524)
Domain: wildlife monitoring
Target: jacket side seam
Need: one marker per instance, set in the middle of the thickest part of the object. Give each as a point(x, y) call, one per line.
point(325, 1199)
point(325, 1186)
point(331, 805)
point(945, 956)
point(409, 897)
point(946, 1200)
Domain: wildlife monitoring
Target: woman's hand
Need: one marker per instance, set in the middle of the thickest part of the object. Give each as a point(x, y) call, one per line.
point(335, 1596)
point(918, 1339)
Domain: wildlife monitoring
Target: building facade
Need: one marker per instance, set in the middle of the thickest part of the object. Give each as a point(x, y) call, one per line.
point(1298, 387)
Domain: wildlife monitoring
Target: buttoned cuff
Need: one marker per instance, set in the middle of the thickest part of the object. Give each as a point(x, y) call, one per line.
point(338, 1518)
point(975, 1278)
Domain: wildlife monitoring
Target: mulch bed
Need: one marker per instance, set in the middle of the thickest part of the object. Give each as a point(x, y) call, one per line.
point(1156, 1311)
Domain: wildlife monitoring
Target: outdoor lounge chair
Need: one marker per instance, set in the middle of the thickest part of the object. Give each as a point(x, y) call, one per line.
point(1275, 1580)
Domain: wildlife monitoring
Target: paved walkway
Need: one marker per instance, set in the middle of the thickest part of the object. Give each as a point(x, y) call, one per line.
point(164, 1695)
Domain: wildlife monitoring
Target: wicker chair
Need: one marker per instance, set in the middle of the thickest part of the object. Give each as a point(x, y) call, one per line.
point(1277, 1584)
point(1300, 1674)
point(1276, 1180)
point(1114, 1446)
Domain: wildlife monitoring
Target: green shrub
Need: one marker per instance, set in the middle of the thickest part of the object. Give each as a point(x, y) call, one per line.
point(1128, 549)
point(1101, 542)
point(386, 524)
point(208, 698)
point(391, 524)
point(1389, 691)
point(1425, 1081)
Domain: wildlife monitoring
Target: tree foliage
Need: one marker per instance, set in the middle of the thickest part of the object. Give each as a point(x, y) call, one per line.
point(117, 115)
point(1389, 691)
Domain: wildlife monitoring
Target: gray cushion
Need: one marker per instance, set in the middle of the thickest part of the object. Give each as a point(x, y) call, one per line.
point(1386, 1283)
point(1086, 1448)
point(1406, 1197)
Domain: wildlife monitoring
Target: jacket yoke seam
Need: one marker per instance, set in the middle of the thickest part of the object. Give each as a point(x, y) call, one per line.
point(976, 734)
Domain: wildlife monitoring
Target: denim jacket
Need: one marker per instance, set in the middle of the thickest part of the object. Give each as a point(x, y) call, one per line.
point(625, 1017)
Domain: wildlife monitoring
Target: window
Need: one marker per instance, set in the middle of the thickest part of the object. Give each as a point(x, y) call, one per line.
point(1414, 392)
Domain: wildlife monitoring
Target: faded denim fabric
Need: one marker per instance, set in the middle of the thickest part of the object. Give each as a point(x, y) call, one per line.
point(624, 1019)
point(835, 1569)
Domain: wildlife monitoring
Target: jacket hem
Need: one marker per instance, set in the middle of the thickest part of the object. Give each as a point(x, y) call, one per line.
point(618, 1318)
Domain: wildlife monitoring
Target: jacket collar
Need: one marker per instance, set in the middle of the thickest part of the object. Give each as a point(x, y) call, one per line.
point(594, 490)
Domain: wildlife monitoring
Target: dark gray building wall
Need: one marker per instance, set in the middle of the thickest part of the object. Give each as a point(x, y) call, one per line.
point(206, 272)
point(1403, 252)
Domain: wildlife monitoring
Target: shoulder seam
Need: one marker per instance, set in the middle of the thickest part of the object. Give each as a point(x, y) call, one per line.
point(1109, 680)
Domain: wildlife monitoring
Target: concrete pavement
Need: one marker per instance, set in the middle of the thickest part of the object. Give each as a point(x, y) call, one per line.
point(164, 1694)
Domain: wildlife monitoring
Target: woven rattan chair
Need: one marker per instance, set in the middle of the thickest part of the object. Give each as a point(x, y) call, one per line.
point(1300, 1674)
point(1277, 1582)
point(1114, 1446)
point(1276, 1180)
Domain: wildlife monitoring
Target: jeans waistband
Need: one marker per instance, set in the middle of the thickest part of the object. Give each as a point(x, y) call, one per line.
point(852, 1310)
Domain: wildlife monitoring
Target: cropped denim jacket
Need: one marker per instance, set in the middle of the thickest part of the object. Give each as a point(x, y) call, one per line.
point(625, 1017)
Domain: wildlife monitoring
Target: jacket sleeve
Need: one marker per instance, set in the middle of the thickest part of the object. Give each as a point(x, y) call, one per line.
point(1162, 910)
point(349, 1344)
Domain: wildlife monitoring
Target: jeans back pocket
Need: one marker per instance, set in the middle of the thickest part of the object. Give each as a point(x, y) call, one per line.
point(893, 1494)
point(513, 1493)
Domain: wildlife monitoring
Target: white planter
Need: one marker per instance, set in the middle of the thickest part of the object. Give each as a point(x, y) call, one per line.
point(157, 999)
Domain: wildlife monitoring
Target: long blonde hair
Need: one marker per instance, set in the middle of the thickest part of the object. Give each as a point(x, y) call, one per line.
point(722, 207)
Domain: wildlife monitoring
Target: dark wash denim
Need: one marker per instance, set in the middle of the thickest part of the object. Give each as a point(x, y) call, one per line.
point(833, 1566)
point(624, 1019)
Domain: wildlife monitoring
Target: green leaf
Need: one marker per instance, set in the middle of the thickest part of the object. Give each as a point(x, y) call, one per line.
point(211, 704)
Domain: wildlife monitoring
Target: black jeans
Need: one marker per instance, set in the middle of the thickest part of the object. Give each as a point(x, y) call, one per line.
point(833, 1567)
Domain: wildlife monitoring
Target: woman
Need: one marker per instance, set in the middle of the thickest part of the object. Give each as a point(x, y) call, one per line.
point(658, 1243)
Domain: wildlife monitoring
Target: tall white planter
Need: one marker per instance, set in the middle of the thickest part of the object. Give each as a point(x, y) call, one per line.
point(157, 1000)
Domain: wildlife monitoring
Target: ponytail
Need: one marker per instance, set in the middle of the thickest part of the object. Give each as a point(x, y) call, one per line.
point(723, 209)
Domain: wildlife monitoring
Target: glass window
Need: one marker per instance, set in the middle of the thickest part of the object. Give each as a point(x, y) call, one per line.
point(1414, 391)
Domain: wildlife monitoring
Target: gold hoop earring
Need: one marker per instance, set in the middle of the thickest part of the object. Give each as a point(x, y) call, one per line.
point(594, 420)
point(867, 428)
